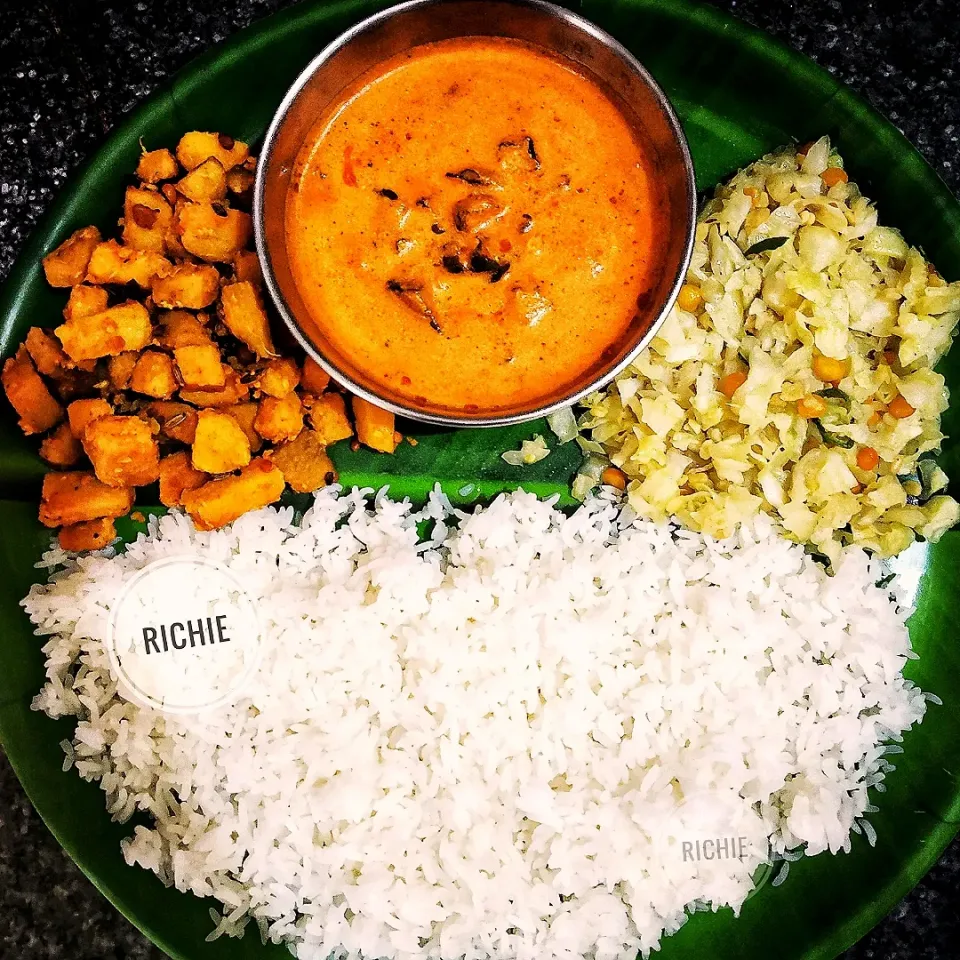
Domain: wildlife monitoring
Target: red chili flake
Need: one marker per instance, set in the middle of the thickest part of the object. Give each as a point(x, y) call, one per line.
point(505, 245)
point(349, 177)
point(406, 381)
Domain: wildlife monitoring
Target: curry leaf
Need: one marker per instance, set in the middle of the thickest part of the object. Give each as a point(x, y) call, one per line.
point(763, 246)
point(833, 439)
point(833, 393)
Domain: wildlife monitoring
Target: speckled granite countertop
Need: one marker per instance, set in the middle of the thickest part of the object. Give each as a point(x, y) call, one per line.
point(68, 70)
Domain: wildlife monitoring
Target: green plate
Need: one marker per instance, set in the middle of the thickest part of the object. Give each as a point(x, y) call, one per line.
point(738, 93)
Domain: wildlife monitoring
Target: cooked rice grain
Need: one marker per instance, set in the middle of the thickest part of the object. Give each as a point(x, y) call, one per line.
point(477, 747)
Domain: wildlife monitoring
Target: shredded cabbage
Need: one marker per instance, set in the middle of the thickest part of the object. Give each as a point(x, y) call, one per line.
point(531, 451)
point(588, 476)
point(564, 424)
point(841, 289)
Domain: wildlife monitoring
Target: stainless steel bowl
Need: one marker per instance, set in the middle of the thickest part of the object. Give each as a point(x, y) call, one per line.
point(424, 21)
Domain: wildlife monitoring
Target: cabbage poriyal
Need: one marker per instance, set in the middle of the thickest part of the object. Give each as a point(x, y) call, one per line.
point(794, 376)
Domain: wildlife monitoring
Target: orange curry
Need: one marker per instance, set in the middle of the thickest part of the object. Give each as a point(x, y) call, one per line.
point(472, 224)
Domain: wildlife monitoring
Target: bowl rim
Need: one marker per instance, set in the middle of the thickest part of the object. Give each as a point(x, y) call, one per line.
point(490, 419)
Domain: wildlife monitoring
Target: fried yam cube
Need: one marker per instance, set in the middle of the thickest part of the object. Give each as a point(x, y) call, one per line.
point(243, 315)
point(220, 502)
point(181, 329)
point(304, 462)
point(83, 412)
point(245, 414)
point(116, 329)
point(204, 183)
point(177, 475)
point(89, 535)
point(246, 266)
point(153, 375)
point(177, 421)
point(197, 146)
point(314, 379)
point(278, 378)
point(36, 406)
point(220, 444)
point(85, 301)
point(212, 231)
point(279, 419)
point(146, 220)
point(233, 391)
point(78, 496)
point(45, 352)
point(120, 369)
point(157, 165)
point(187, 286)
point(328, 416)
point(375, 426)
point(61, 448)
point(122, 451)
point(67, 265)
point(171, 238)
point(113, 263)
point(200, 367)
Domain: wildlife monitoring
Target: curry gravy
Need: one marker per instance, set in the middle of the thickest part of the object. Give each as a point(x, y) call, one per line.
point(472, 224)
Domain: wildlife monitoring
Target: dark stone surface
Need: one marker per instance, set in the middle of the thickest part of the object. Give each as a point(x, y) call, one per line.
point(70, 68)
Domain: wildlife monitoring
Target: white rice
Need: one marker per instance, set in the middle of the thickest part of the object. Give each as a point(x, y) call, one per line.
point(477, 747)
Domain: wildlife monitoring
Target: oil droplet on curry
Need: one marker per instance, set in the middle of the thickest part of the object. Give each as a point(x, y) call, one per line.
point(472, 225)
